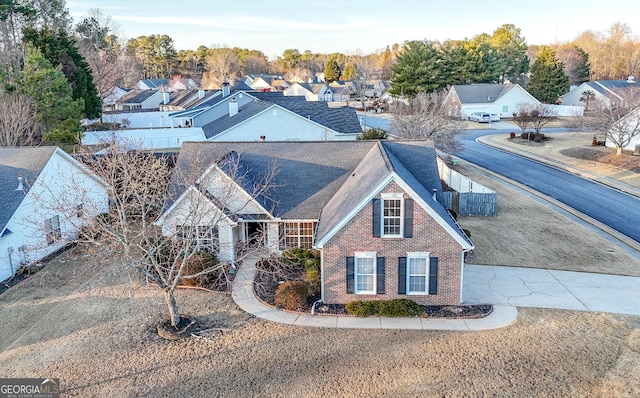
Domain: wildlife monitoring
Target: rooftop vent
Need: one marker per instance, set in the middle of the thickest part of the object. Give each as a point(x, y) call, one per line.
point(20, 184)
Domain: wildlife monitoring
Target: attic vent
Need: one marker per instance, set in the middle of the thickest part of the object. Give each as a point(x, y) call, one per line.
point(434, 194)
point(20, 184)
point(489, 98)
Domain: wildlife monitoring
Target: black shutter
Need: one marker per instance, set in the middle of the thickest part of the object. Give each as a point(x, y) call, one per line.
point(350, 275)
point(433, 275)
point(380, 277)
point(408, 218)
point(376, 204)
point(402, 275)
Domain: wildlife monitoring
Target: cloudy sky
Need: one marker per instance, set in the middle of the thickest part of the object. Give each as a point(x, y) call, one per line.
point(351, 26)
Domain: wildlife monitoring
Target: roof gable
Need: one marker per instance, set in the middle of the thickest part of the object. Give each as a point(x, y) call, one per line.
point(482, 93)
point(25, 162)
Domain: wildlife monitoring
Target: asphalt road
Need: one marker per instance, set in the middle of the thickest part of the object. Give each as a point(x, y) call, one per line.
point(618, 210)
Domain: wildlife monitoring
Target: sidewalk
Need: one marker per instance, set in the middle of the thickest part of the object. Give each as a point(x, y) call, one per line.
point(502, 315)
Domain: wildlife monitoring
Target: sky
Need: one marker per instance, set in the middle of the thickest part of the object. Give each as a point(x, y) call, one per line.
point(354, 26)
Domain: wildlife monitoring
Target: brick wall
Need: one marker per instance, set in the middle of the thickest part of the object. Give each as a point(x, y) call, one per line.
point(428, 236)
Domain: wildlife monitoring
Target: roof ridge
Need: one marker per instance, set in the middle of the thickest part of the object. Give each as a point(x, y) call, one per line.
point(385, 155)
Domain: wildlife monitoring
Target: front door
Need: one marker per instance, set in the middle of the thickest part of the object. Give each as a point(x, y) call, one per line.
point(255, 233)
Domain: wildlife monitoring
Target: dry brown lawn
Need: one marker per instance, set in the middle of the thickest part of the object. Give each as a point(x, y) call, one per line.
point(88, 320)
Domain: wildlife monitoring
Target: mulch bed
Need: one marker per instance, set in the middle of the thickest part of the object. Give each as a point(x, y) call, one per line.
point(267, 293)
point(605, 156)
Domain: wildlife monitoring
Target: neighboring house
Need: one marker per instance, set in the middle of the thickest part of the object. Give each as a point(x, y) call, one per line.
point(502, 99)
point(342, 90)
point(136, 100)
point(311, 92)
point(376, 88)
point(179, 83)
point(263, 82)
point(113, 95)
point(607, 91)
point(234, 116)
point(152, 84)
point(373, 209)
point(186, 99)
point(46, 195)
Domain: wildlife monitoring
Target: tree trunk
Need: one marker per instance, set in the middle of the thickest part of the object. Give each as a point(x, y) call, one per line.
point(618, 150)
point(173, 307)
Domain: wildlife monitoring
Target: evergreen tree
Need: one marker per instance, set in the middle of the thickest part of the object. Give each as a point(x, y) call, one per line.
point(548, 80)
point(511, 49)
point(332, 71)
point(416, 70)
point(47, 87)
point(350, 72)
point(59, 49)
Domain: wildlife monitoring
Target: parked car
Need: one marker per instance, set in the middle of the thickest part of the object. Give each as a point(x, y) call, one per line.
point(495, 117)
point(480, 117)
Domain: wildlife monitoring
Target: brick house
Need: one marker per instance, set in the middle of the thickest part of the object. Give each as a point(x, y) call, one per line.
point(372, 208)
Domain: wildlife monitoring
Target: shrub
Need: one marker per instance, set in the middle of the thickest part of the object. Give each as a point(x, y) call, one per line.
point(197, 264)
point(374, 133)
point(292, 295)
point(539, 137)
point(467, 232)
point(391, 308)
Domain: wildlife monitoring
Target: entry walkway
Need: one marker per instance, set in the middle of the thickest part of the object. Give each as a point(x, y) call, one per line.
point(502, 315)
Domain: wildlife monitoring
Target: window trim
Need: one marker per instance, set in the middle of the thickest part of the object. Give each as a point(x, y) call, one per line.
point(418, 255)
point(363, 255)
point(52, 235)
point(301, 240)
point(392, 196)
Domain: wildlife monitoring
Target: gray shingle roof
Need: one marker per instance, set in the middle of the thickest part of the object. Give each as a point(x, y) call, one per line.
point(308, 173)
point(136, 96)
point(618, 87)
point(481, 93)
point(155, 83)
point(26, 162)
point(343, 120)
point(226, 122)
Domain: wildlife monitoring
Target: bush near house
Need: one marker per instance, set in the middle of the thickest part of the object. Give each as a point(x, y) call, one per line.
point(292, 295)
point(391, 308)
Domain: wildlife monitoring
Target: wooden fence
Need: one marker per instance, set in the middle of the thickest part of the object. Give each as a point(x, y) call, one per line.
point(471, 203)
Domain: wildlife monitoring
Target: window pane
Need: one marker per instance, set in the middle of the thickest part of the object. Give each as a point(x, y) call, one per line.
point(365, 283)
point(365, 266)
point(417, 284)
point(417, 266)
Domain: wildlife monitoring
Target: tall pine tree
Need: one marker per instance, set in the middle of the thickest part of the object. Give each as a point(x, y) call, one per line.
point(47, 87)
point(548, 80)
point(416, 70)
point(59, 49)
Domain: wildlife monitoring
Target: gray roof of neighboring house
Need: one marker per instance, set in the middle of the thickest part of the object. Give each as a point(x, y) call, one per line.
point(136, 96)
point(155, 83)
point(482, 93)
point(343, 120)
point(616, 86)
point(25, 162)
point(318, 179)
point(224, 123)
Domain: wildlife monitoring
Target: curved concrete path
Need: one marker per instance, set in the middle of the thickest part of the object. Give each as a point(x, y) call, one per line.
point(502, 315)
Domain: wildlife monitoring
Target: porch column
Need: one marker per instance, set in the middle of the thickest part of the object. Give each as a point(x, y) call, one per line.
point(273, 236)
point(226, 242)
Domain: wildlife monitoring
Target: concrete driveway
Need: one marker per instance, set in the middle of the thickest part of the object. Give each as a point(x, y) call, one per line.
point(533, 287)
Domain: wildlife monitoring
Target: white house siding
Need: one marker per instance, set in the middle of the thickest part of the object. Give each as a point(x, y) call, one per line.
point(573, 96)
point(504, 106)
point(145, 139)
point(279, 125)
point(58, 190)
point(142, 120)
point(297, 90)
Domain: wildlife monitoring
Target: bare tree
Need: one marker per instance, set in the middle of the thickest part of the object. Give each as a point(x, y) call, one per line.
point(143, 185)
point(222, 66)
point(618, 120)
point(428, 116)
point(536, 116)
point(522, 117)
point(19, 124)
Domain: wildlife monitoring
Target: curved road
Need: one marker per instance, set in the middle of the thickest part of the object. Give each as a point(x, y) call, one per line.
point(618, 210)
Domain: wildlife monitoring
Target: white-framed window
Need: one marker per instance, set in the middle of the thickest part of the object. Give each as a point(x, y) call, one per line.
point(52, 229)
point(392, 215)
point(298, 234)
point(365, 273)
point(204, 237)
point(418, 273)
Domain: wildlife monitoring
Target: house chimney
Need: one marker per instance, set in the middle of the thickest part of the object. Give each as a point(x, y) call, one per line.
point(200, 93)
point(263, 137)
point(233, 107)
point(225, 89)
point(166, 97)
point(20, 184)
point(434, 193)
